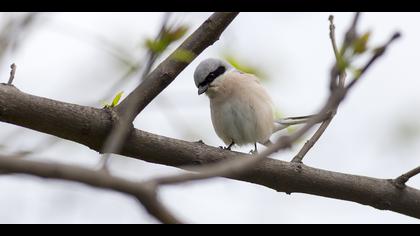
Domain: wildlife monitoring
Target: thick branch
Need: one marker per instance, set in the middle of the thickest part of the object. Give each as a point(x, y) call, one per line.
point(89, 126)
point(144, 193)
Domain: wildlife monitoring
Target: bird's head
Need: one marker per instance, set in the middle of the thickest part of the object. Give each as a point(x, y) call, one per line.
point(208, 71)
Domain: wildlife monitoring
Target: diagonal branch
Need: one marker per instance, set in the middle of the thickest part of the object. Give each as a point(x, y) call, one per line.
point(208, 33)
point(161, 77)
point(144, 193)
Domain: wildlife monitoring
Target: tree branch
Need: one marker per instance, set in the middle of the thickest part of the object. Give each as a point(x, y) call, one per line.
point(89, 126)
point(208, 33)
point(145, 194)
point(161, 77)
point(401, 180)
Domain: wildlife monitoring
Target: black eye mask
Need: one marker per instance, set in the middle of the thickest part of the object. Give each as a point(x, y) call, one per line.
point(212, 76)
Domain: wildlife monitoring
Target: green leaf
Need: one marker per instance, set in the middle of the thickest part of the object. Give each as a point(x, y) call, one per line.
point(175, 34)
point(156, 46)
point(343, 64)
point(116, 99)
point(167, 37)
point(359, 45)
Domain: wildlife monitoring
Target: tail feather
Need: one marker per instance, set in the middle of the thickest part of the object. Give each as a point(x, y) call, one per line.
point(288, 121)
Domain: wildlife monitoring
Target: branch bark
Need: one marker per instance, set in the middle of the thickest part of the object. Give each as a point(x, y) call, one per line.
point(89, 126)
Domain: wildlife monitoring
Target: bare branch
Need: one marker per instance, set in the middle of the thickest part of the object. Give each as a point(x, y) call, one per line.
point(311, 142)
point(208, 33)
point(161, 77)
point(12, 74)
point(351, 33)
point(141, 191)
point(401, 180)
point(338, 56)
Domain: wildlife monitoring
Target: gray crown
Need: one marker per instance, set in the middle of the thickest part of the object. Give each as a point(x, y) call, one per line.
point(206, 67)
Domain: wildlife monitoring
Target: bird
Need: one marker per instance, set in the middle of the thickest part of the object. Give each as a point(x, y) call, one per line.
point(242, 111)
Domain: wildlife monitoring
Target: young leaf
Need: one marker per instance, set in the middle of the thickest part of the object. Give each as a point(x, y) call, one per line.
point(359, 45)
point(116, 99)
point(175, 34)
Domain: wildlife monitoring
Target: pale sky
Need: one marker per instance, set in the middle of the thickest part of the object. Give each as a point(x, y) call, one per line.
point(64, 58)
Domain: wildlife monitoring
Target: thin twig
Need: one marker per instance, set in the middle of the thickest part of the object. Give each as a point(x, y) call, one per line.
point(338, 56)
point(401, 180)
point(378, 53)
point(341, 82)
point(12, 74)
point(351, 33)
point(311, 142)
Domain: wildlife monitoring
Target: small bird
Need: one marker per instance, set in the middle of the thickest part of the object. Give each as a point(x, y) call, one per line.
point(241, 109)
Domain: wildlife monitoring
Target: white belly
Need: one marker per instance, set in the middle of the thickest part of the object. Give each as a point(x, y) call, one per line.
point(242, 122)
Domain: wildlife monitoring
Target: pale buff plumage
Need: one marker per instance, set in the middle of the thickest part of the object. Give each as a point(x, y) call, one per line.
point(241, 109)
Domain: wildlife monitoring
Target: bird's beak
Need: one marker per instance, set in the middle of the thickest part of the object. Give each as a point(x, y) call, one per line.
point(202, 89)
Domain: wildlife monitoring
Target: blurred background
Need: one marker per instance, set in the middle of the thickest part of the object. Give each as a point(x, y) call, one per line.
point(87, 58)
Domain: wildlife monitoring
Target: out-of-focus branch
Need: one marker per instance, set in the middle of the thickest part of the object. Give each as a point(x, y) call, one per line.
point(144, 193)
point(123, 124)
point(10, 34)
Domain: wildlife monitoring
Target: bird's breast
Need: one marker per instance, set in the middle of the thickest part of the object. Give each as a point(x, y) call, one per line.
point(242, 117)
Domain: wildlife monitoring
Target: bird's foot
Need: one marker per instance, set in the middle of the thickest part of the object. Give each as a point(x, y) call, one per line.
point(225, 148)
